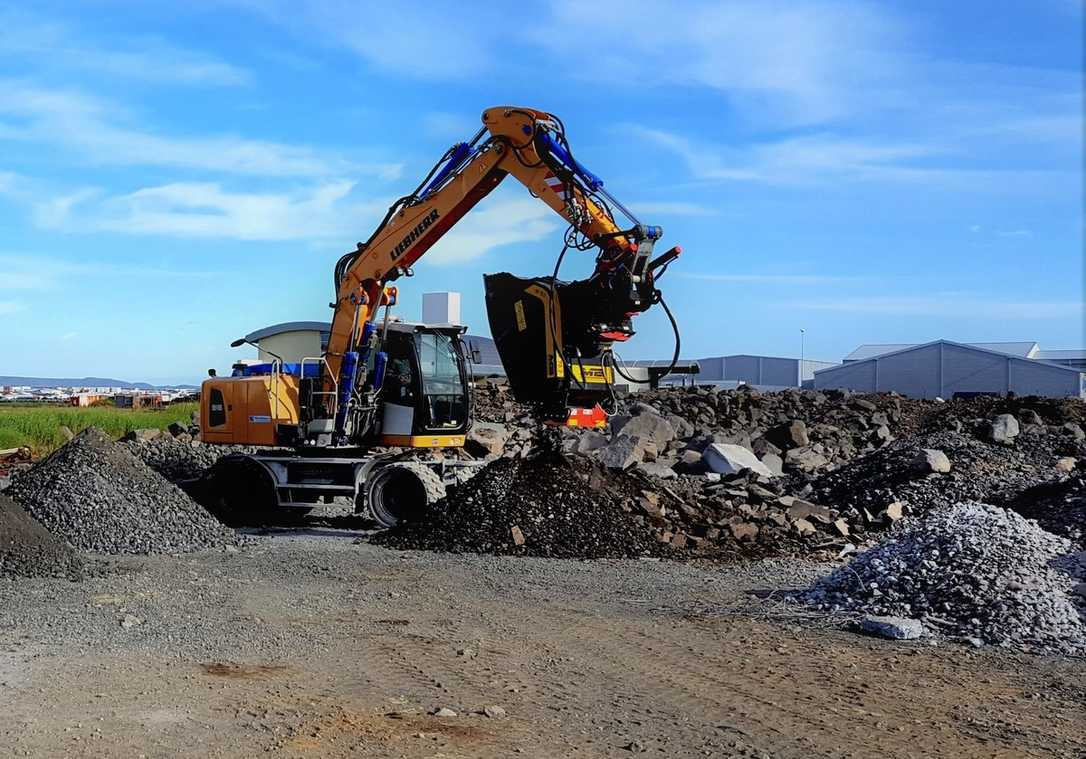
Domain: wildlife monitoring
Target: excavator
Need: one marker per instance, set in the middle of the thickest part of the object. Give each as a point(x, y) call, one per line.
point(353, 421)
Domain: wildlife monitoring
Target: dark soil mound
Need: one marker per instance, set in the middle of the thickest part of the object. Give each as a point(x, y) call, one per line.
point(97, 496)
point(27, 549)
point(560, 507)
point(1059, 507)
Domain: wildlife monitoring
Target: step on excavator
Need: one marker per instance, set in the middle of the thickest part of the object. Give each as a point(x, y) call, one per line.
point(357, 420)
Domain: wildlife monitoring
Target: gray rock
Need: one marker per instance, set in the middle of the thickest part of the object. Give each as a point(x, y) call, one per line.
point(805, 459)
point(773, 463)
point(444, 712)
point(590, 440)
point(494, 712)
point(648, 427)
point(930, 460)
point(622, 453)
point(1075, 431)
point(725, 458)
point(486, 439)
point(1004, 429)
point(1066, 464)
point(894, 628)
point(787, 436)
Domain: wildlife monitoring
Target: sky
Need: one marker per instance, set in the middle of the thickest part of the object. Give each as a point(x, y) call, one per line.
point(175, 176)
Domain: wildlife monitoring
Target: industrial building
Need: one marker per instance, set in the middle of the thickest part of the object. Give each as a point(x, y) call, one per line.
point(945, 369)
point(762, 372)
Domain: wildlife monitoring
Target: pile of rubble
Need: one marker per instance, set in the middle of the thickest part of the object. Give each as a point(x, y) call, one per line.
point(1058, 506)
point(971, 571)
point(545, 504)
point(803, 471)
point(27, 549)
point(94, 494)
point(177, 455)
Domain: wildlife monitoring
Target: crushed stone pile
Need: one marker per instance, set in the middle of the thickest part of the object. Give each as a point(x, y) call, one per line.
point(179, 459)
point(94, 494)
point(27, 549)
point(544, 505)
point(972, 571)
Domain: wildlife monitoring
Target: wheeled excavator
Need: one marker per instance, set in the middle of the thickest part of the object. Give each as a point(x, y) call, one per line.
point(327, 423)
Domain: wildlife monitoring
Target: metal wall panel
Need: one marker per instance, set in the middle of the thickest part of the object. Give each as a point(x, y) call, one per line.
point(1032, 378)
point(973, 371)
point(914, 373)
point(858, 375)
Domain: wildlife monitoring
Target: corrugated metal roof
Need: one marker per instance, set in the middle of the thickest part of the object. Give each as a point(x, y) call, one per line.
point(974, 346)
point(1023, 349)
point(1056, 355)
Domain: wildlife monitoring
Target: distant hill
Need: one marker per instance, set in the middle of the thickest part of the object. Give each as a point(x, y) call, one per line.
point(83, 382)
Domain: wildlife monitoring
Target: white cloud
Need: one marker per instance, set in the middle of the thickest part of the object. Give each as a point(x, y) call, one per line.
point(95, 129)
point(50, 44)
point(800, 61)
point(793, 161)
point(428, 39)
point(500, 222)
point(205, 209)
point(947, 304)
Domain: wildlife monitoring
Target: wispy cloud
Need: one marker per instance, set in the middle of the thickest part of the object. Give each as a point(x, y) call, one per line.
point(54, 45)
point(946, 304)
point(437, 39)
point(10, 306)
point(793, 161)
point(95, 129)
point(206, 209)
point(800, 62)
point(500, 222)
point(48, 272)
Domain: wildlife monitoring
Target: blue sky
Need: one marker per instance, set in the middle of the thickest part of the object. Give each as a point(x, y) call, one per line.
point(172, 178)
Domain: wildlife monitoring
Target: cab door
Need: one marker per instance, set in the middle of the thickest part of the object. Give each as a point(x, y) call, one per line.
point(217, 411)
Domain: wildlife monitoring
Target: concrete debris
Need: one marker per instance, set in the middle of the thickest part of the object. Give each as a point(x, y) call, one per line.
point(723, 458)
point(894, 628)
point(973, 570)
point(94, 494)
point(1066, 463)
point(1004, 429)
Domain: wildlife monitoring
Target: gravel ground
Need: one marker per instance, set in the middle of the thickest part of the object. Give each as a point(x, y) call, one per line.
point(305, 644)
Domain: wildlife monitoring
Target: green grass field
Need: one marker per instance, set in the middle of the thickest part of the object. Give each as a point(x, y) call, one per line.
point(38, 426)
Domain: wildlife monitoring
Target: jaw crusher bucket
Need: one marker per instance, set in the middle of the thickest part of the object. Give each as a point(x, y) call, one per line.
point(549, 368)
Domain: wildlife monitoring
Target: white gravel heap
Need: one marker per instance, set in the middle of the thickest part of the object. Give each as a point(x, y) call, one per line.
point(974, 571)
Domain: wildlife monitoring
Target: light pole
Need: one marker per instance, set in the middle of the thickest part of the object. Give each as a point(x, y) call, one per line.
point(802, 341)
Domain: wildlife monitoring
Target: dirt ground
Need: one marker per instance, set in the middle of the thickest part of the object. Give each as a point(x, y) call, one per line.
point(308, 645)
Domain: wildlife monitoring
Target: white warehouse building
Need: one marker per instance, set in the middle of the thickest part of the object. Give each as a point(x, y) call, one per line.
point(945, 369)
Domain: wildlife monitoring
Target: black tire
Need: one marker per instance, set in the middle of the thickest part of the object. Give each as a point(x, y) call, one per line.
point(245, 493)
point(402, 492)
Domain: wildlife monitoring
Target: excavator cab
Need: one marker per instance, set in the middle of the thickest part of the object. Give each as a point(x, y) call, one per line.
point(424, 391)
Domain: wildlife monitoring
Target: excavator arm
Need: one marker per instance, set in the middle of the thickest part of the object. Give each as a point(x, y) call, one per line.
point(581, 321)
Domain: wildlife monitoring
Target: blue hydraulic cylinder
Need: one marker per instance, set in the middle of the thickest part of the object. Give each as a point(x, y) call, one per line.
point(593, 182)
point(346, 386)
point(460, 155)
point(380, 361)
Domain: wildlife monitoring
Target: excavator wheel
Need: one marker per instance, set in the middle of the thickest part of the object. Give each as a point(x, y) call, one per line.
point(401, 492)
point(244, 492)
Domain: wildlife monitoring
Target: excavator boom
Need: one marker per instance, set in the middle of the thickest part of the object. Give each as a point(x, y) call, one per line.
point(574, 321)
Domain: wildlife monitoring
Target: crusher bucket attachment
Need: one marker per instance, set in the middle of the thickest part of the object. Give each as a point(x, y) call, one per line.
point(549, 367)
